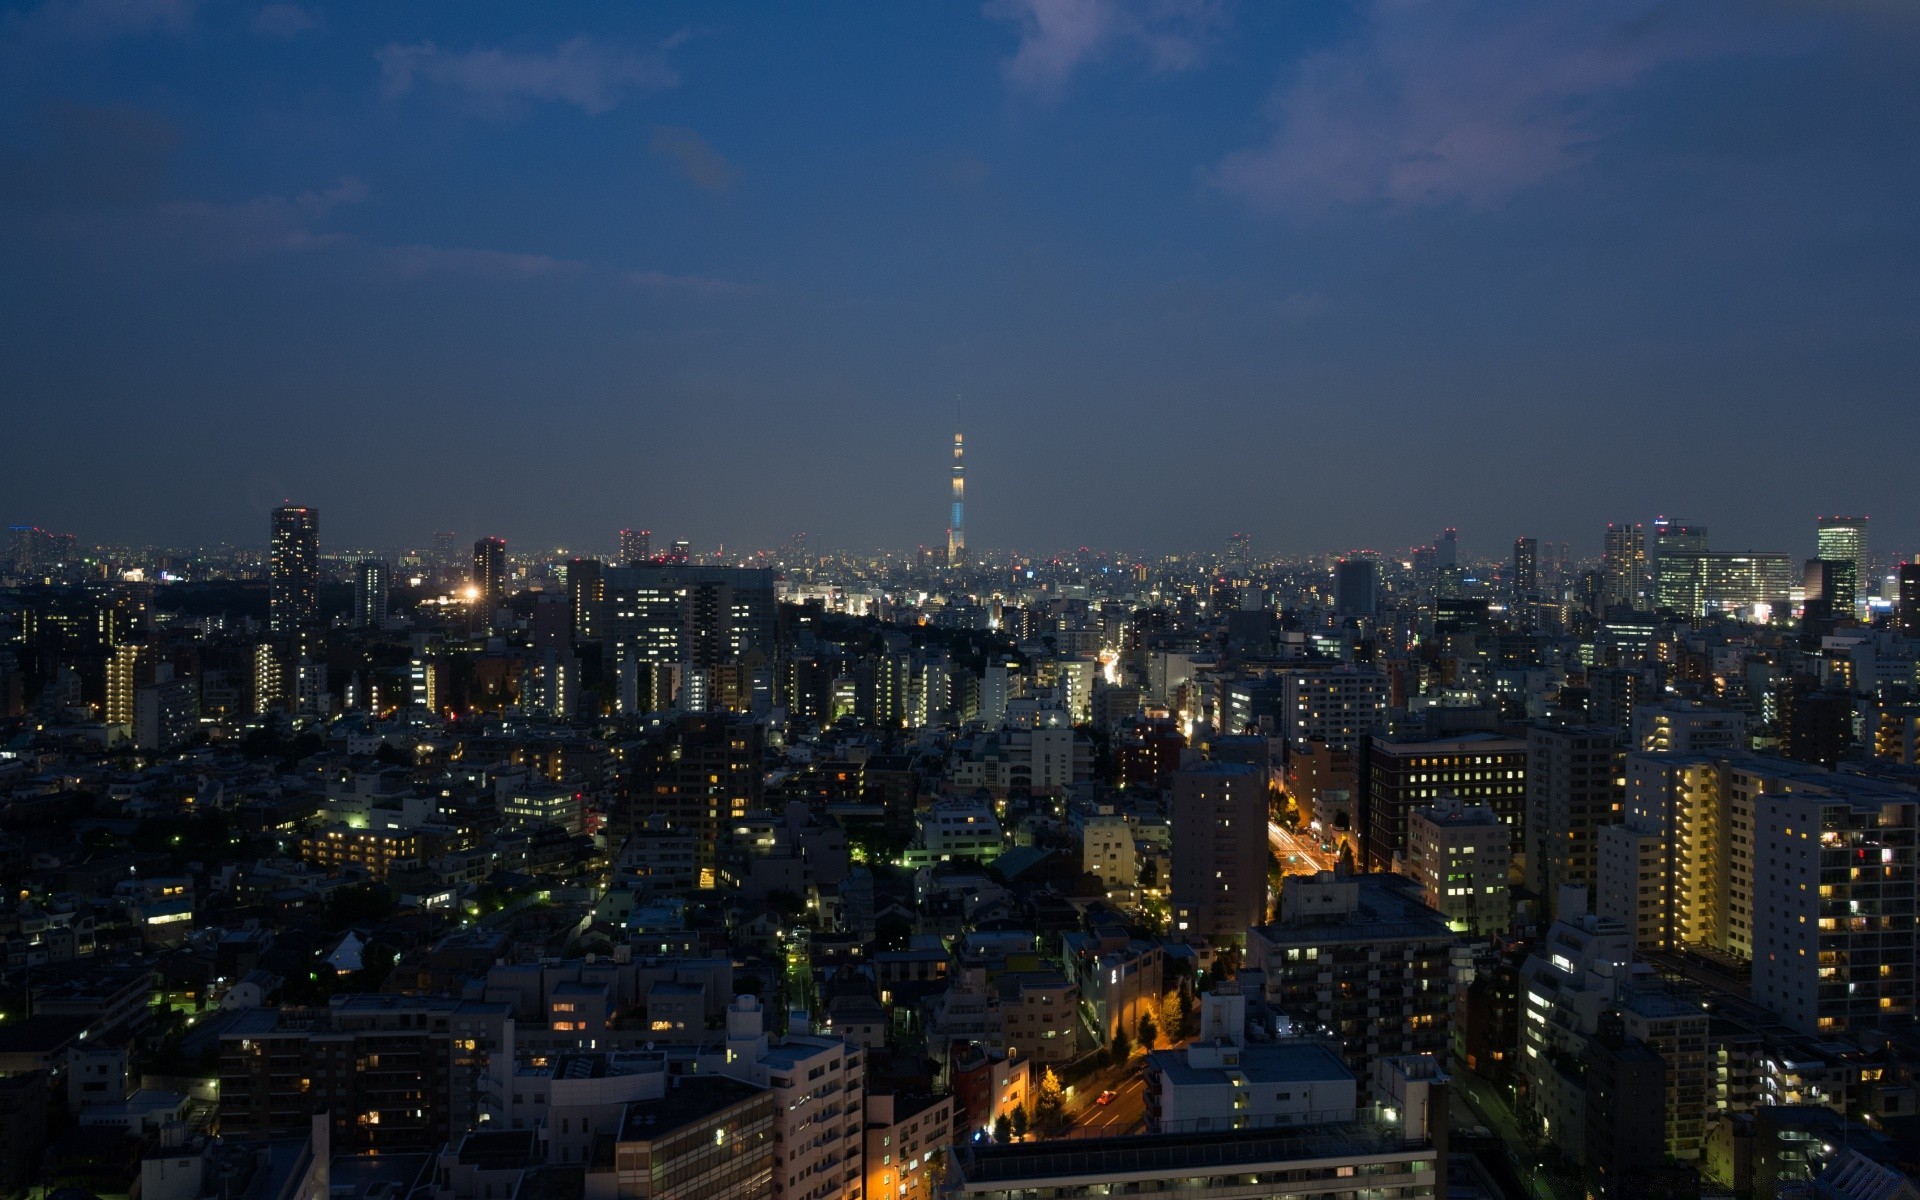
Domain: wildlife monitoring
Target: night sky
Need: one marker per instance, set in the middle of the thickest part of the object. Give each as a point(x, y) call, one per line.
point(1335, 275)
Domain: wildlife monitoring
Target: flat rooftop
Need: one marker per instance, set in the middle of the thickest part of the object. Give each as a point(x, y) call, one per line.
point(1300, 1062)
point(1185, 1153)
point(695, 1099)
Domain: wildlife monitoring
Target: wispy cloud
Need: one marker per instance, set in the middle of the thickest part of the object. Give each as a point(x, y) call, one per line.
point(1450, 101)
point(592, 76)
point(284, 21)
point(265, 223)
point(1057, 36)
point(102, 18)
point(703, 166)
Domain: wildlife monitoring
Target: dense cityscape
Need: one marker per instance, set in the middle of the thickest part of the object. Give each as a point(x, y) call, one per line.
point(1013, 600)
point(797, 874)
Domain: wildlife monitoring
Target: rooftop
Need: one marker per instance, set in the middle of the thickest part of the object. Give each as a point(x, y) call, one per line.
point(1031, 1163)
point(694, 1099)
point(1297, 1062)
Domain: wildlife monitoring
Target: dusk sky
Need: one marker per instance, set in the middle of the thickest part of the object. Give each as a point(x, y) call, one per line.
point(1337, 275)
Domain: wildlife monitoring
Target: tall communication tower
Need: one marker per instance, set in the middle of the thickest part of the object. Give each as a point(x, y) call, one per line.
point(957, 529)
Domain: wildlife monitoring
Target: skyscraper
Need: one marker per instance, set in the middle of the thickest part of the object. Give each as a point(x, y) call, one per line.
point(636, 546)
point(1844, 539)
point(370, 584)
point(1623, 569)
point(1907, 615)
point(293, 569)
point(1677, 549)
point(1356, 588)
point(1240, 554)
point(1219, 842)
point(957, 530)
point(489, 576)
point(1526, 566)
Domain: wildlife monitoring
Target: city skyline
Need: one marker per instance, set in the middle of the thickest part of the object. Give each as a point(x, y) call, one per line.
point(1194, 270)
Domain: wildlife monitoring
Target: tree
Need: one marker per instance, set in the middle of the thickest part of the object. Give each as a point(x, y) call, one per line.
point(1122, 1046)
point(1173, 1015)
point(1049, 1111)
point(1002, 1129)
point(1019, 1126)
point(1149, 1032)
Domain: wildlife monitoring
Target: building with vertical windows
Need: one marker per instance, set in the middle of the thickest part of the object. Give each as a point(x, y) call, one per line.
point(1574, 789)
point(1526, 566)
point(371, 582)
point(1844, 539)
point(1338, 705)
point(707, 1136)
point(1460, 855)
point(489, 578)
point(1356, 587)
point(1403, 774)
point(293, 569)
point(1219, 849)
point(1834, 923)
point(1363, 957)
point(1623, 567)
point(636, 546)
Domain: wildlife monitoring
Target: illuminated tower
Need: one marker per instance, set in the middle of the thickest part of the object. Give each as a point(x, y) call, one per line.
point(293, 569)
point(957, 530)
point(1844, 539)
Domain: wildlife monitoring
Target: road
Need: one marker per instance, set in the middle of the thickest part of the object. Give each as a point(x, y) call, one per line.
point(1127, 1113)
point(1307, 855)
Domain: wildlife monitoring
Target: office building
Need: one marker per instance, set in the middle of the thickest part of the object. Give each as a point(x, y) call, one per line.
point(1460, 855)
point(371, 583)
point(1844, 539)
point(1361, 957)
point(1356, 587)
point(293, 570)
point(706, 1136)
point(1751, 585)
point(674, 614)
point(1574, 789)
point(1402, 775)
point(636, 547)
point(1219, 836)
point(1623, 568)
point(489, 579)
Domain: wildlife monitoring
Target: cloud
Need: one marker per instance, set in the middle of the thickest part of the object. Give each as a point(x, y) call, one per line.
point(103, 18)
point(82, 156)
point(1056, 36)
point(700, 163)
point(415, 261)
point(1437, 102)
point(265, 223)
point(283, 21)
point(580, 71)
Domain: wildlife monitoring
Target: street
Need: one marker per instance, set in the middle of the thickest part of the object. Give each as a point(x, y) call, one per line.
point(1305, 855)
point(1125, 1114)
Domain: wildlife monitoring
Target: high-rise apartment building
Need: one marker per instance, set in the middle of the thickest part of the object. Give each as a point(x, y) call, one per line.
point(673, 614)
point(293, 569)
point(1219, 845)
point(371, 583)
point(1623, 570)
point(1338, 705)
point(489, 577)
point(1844, 539)
point(1526, 566)
point(1834, 917)
point(1363, 956)
point(1574, 789)
point(636, 546)
point(1907, 605)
